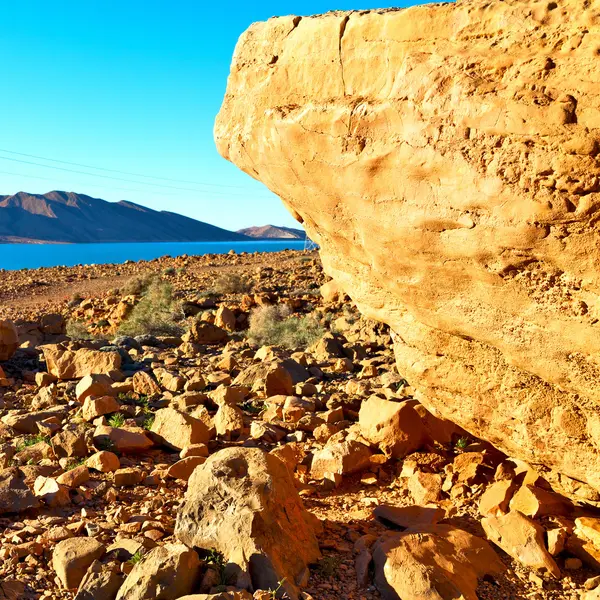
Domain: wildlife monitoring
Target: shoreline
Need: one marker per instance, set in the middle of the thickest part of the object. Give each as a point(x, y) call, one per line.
point(36, 256)
point(27, 293)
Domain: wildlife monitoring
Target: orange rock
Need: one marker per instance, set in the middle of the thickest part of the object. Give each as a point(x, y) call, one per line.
point(122, 439)
point(395, 427)
point(425, 487)
point(495, 500)
point(178, 430)
point(145, 384)
point(536, 502)
point(184, 468)
point(342, 458)
point(521, 538)
point(97, 407)
point(103, 461)
point(94, 385)
point(439, 561)
point(74, 477)
point(9, 339)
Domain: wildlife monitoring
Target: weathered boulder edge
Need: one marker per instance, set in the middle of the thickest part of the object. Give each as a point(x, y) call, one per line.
point(445, 159)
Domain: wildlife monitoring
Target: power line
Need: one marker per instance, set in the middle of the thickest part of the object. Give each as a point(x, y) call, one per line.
point(65, 162)
point(92, 185)
point(28, 162)
point(207, 193)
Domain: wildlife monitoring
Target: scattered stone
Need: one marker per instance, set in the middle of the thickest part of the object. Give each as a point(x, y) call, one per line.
point(9, 340)
point(167, 572)
point(184, 468)
point(439, 561)
point(71, 559)
point(178, 430)
point(119, 439)
point(343, 458)
point(97, 407)
point(15, 496)
point(395, 427)
point(103, 461)
point(68, 364)
point(243, 503)
point(94, 385)
point(406, 517)
point(521, 538)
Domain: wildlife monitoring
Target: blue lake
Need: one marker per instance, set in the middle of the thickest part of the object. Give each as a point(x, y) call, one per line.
point(32, 256)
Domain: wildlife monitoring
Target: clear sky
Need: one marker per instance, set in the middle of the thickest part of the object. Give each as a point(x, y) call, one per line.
point(131, 85)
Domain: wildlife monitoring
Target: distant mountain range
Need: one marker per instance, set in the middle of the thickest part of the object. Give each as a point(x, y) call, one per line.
point(272, 231)
point(77, 218)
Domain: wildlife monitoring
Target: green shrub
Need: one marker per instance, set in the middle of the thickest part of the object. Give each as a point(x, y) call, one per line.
point(136, 558)
point(231, 283)
point(155, 314)
point(169, 271)
point(117, 420)
point(273, 326)
point(31, 441)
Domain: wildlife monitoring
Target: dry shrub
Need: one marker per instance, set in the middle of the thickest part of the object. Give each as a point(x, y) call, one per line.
point(231, 283)
point(275, 326)
point(155, 314)
point(77, 330)
point(137, 285)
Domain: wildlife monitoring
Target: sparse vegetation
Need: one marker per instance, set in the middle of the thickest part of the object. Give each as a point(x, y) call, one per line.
point(232, 283)
point(274, 326)
point(169, 271)
point(156, 313)
point(117, 420)
point(136, 558)
point(461, 443)
point(31, 441)
point(148, 422)
point(77, 330)
point(137, 285)
point(276, 590)
point(216, 560)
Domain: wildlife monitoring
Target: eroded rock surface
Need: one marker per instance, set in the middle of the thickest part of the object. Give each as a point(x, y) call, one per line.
point(445, 158)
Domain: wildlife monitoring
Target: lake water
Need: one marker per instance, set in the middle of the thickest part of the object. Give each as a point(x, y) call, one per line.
point(32, 256)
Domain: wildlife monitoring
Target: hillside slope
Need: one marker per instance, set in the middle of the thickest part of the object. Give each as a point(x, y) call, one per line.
point(273, 231)
point(77, 218)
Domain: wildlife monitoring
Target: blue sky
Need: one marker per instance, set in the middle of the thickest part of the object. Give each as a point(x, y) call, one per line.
point(131, 85)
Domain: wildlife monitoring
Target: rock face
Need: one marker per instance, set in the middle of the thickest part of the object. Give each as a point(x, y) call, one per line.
point(453, 150)
point(243, 503)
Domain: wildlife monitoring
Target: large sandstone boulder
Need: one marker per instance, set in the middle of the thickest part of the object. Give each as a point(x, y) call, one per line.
point(243, 503)
point(9, 339)
point(445, 159)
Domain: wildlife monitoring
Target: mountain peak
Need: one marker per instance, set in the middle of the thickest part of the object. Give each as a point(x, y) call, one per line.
point(77, 218)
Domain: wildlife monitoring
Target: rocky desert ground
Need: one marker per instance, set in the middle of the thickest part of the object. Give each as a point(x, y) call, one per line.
point(250, 437)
